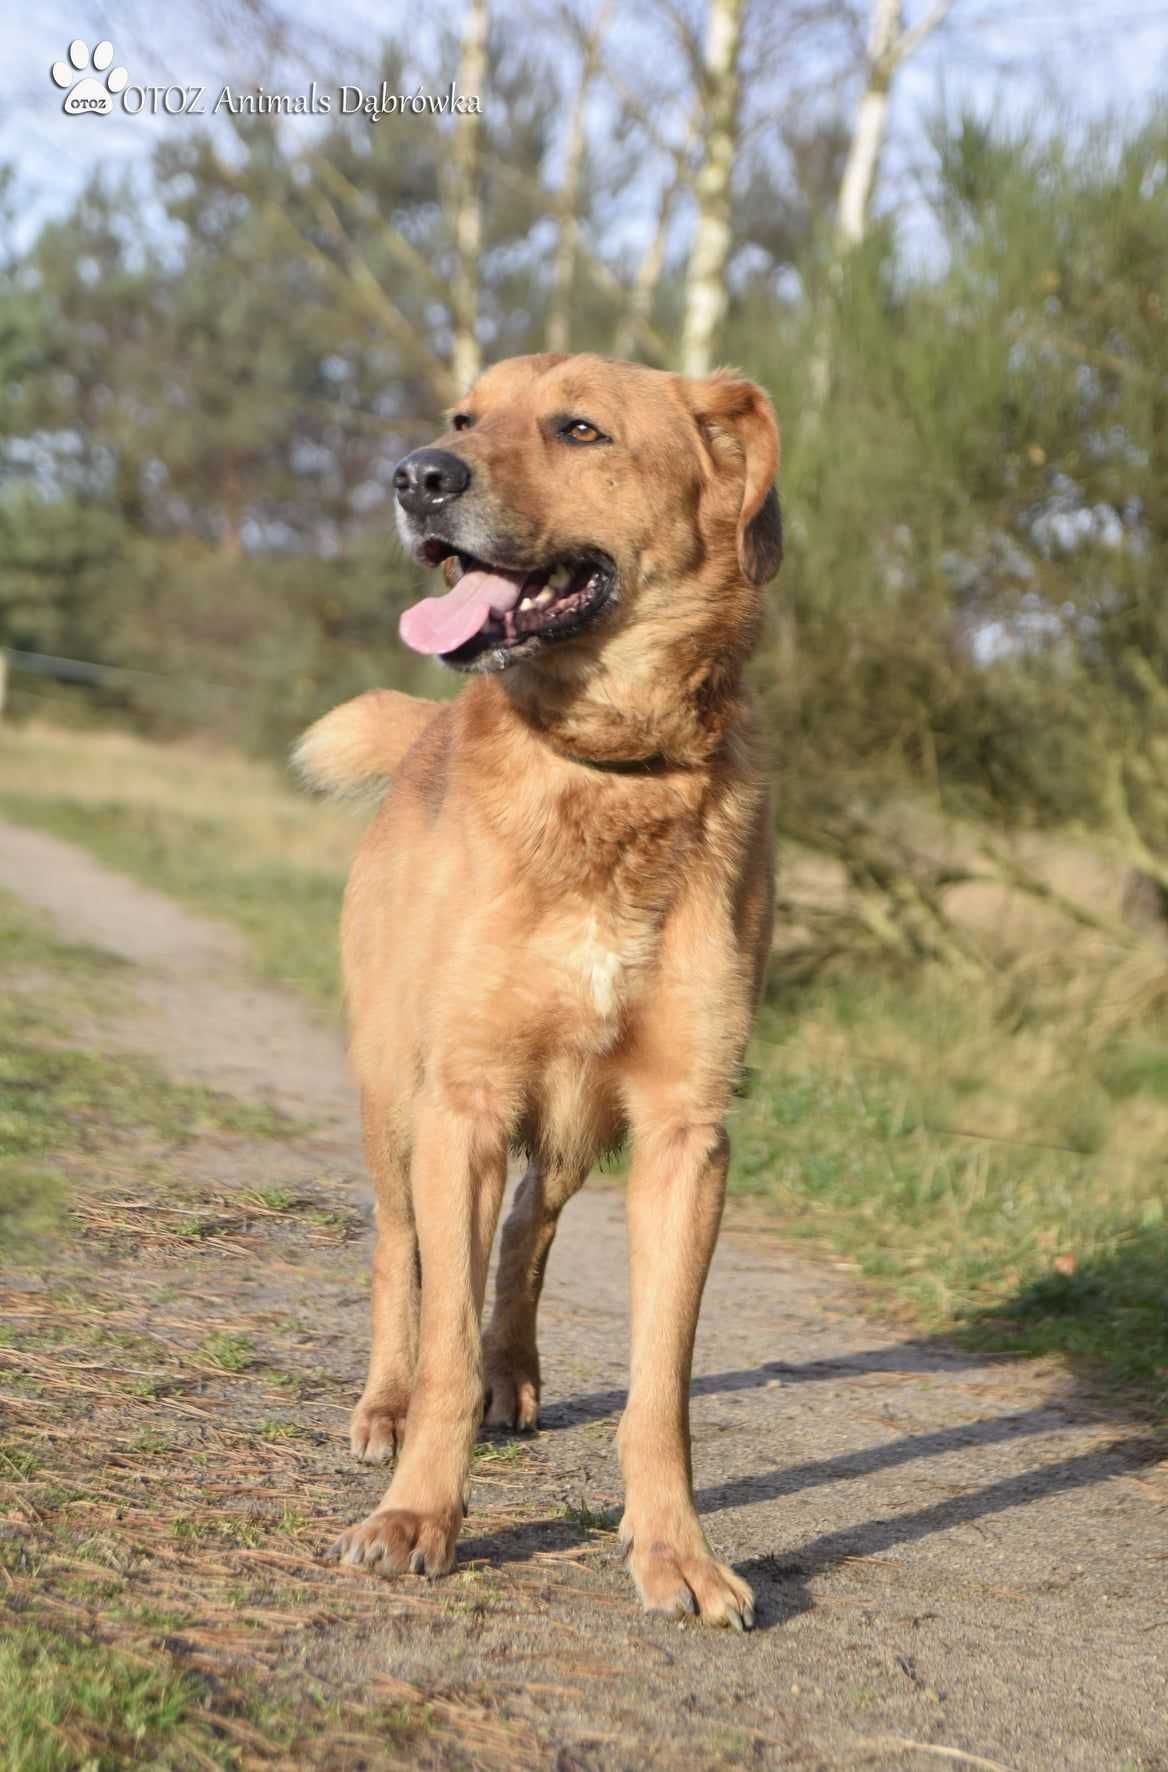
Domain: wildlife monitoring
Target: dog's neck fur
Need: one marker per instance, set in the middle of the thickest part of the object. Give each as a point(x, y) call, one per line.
point(673, 710)
point(540, 763)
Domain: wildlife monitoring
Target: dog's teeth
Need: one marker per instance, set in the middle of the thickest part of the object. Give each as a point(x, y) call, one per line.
point(560, 578)
point(526, 603)
point(545, 596)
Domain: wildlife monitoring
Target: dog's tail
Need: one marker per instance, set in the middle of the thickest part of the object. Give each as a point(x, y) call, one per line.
point(362, 740)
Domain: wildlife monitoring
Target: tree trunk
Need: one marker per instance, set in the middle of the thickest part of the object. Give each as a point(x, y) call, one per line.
point(870, 127)
point(568, 202)
point(889, 44)
point(705, 294)
point(466, 357)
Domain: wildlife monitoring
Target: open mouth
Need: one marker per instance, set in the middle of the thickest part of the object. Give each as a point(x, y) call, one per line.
point(506, 611)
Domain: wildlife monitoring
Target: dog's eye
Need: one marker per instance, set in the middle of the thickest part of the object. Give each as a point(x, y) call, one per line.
point(581, 430)
point(462, 421)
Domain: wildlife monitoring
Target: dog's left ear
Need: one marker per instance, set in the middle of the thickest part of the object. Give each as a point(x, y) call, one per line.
point(736, 418)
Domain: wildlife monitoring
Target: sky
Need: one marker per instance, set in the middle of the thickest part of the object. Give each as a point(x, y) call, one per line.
point(1084, 57)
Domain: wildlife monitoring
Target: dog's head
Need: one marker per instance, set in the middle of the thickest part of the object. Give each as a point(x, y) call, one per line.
point(574, 500)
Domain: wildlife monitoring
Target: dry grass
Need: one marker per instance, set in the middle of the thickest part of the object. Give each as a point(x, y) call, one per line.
point(184, 1542)
point(170, 1469)
point(984, 1138)
point(227, 835)
point(173, 1457)
point(193, 778)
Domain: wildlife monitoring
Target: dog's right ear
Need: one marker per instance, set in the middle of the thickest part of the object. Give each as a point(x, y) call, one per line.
point(735, 414)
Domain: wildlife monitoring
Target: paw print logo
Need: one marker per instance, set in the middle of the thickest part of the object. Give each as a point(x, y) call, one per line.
point(88, 96)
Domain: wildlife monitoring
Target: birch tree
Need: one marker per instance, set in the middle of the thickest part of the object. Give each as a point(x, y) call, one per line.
point(705, 291)
point(466, 200)
point(889, 44)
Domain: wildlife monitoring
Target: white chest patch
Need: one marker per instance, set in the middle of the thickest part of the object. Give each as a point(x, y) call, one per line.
point(602, 967)
point(602, 962)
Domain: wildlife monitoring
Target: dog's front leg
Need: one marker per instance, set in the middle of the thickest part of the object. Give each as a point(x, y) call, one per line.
point(378, 1423)
point(676, 1187)
point(457, 1175)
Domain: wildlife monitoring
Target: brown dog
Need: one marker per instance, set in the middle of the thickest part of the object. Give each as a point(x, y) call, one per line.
point(556, 928)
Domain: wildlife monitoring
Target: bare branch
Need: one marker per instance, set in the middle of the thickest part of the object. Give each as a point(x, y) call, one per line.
point(602, 274)
point(635, 323)
point(635, 106)
point(910, 41)
point(394, 242)
point(357, 280)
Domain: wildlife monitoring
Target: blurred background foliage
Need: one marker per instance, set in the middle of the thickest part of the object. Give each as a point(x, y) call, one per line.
point(212, 360)
point(200, 421)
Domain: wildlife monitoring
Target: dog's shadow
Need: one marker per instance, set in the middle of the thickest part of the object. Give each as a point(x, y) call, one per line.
point(781, 1589)
point(783, 1579)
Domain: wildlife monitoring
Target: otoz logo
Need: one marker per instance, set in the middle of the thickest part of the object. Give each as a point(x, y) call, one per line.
point(174, 101)
point(87, 96)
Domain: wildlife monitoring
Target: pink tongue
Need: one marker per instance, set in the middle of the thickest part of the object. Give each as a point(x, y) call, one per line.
point(440, 624)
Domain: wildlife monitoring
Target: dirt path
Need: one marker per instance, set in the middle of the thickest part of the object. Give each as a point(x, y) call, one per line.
point(957, 1562)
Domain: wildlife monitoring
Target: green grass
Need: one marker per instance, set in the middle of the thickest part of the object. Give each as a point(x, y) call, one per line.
point(230, 1353)
point(53, 1099)
point(499, 1452)
point(590, 1519)
point(1134, 1068)
point(1011, 1186)
point(66, 1706)
point(32, 1205)
point(1112, 1308)
point(59, 1101)
point(990, 1153)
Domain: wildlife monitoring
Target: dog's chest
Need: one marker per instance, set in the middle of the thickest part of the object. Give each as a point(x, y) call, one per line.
point(601, 960)
point(596, 959)
point(599, 891)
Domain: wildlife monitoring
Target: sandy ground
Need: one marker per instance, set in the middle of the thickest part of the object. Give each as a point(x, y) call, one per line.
point(957, 1561)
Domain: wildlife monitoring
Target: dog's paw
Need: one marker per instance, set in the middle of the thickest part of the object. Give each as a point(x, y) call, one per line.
point(511, 1393)
point(377, 1428)
point(687, 1584)
point(393, 1541)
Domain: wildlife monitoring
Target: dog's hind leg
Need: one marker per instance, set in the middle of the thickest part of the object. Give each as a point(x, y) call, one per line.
point(378, 1422)
point(510, 1354)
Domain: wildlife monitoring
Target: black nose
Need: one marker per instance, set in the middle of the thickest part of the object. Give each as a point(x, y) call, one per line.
point(429, 479)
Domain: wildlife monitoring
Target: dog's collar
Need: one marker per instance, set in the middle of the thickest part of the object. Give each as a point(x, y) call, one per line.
point(657, 764)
